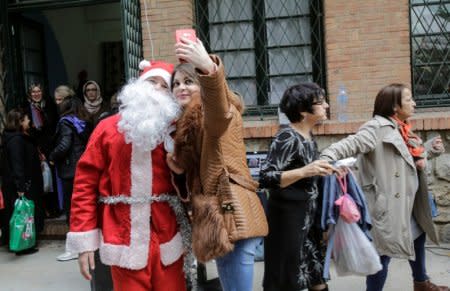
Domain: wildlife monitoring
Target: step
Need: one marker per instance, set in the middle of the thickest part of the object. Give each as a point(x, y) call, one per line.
point(55, 228)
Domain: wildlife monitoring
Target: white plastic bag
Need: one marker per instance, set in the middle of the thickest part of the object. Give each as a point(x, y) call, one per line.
point(47, 177)
point(353, 253)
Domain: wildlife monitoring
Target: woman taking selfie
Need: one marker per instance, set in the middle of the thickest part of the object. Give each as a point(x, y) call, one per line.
point(209, 146)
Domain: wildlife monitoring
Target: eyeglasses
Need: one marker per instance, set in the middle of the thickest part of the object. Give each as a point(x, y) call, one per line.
point(91, 89)
point(320, 101)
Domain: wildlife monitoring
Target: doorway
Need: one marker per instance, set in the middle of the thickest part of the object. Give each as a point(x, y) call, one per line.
point(69, 42)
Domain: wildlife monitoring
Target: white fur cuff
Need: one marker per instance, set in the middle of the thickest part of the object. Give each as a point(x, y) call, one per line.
point(172, 250)
point(79, 242)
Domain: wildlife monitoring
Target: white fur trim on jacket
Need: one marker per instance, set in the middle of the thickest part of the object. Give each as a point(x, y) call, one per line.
point(172, 250)
point(134, 256)
point(80, 242)
point(169, 143)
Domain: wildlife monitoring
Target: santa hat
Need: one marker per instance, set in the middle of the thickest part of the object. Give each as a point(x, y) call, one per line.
point(155, 68)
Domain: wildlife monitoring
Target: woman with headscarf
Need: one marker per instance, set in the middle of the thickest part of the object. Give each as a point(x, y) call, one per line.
point(93, 101)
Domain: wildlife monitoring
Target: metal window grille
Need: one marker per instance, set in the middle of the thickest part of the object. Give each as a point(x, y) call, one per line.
point(430, 52)
point(132, 36)
point(266, 46)
point(3, 61)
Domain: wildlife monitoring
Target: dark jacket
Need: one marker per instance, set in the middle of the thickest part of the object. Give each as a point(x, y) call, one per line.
point(96, 117)
point(70, 142)
point(43, 135)
point(22, 174)
point(22, 164)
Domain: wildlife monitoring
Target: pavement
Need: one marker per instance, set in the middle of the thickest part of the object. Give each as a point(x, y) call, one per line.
point(41, 271)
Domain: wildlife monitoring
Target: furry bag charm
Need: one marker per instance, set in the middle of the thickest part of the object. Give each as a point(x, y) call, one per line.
point(209, 234)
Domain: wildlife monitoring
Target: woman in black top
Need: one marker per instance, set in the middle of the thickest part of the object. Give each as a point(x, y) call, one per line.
point(293, 249)
point(43, 116)
point(72, 133)
point(22, 171)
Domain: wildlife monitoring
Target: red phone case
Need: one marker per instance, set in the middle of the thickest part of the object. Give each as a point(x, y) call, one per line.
point(188, 33)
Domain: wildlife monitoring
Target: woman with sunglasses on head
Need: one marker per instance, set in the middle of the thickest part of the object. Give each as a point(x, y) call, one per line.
point(293, 249)
point(208, 145)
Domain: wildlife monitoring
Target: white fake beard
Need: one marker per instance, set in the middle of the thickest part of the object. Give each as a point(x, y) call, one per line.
point(146, 114)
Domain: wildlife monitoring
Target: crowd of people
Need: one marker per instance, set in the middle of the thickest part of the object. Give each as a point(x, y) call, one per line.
point(147, 191)
point(52, 132)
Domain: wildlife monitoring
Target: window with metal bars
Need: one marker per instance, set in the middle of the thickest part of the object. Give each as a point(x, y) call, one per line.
point(266, 45)
point(430, 52)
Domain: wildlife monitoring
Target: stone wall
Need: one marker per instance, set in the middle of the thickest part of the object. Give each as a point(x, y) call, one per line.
point(439, 178)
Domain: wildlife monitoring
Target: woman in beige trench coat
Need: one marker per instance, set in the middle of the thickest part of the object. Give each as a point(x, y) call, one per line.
point(391, 170)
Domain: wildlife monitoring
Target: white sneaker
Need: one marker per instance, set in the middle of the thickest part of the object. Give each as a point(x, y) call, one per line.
point(67, 256)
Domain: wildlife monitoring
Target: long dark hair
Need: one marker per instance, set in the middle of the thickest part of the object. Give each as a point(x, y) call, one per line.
point(189, 70)
point(73, 106)
point(14, 119)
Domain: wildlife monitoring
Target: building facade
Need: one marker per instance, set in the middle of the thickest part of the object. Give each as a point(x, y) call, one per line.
point(363, 45)
point(266, 46)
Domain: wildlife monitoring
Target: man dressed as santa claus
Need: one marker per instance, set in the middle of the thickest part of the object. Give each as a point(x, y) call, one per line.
point(123, 201)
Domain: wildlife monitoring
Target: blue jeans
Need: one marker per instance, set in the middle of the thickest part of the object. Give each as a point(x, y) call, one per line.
point(236, 268)
point(376, 281)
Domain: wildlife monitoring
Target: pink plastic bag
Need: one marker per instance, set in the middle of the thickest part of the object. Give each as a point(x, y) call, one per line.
point(348, 209)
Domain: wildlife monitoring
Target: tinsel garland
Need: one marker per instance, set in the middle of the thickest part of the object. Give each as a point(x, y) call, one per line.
point(182, 221)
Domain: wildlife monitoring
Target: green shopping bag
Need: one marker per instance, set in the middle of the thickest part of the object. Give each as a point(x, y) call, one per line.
point(22, 233)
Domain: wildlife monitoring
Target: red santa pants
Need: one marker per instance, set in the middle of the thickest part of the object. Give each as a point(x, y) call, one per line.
point(154, 277)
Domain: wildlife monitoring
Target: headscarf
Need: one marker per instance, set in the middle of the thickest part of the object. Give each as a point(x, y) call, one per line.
point(92, 106)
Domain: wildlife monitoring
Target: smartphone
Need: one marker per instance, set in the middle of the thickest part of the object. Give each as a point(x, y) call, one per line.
point(188, 33)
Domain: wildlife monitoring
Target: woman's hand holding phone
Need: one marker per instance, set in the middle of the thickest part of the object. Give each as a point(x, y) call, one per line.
point(193, 51)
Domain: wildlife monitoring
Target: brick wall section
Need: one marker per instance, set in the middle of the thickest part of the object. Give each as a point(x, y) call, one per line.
point(367, 47)
point(420, 121)
point(164, 16)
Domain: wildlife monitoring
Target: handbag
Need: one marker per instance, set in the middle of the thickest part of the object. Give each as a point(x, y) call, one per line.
point(233, 214)
point(433, 207)
point(209, 234)
point(242, 209)
point(2, 200)
point(22, 233)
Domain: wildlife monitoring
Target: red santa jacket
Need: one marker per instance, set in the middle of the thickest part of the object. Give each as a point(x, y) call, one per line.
point(123, 177)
